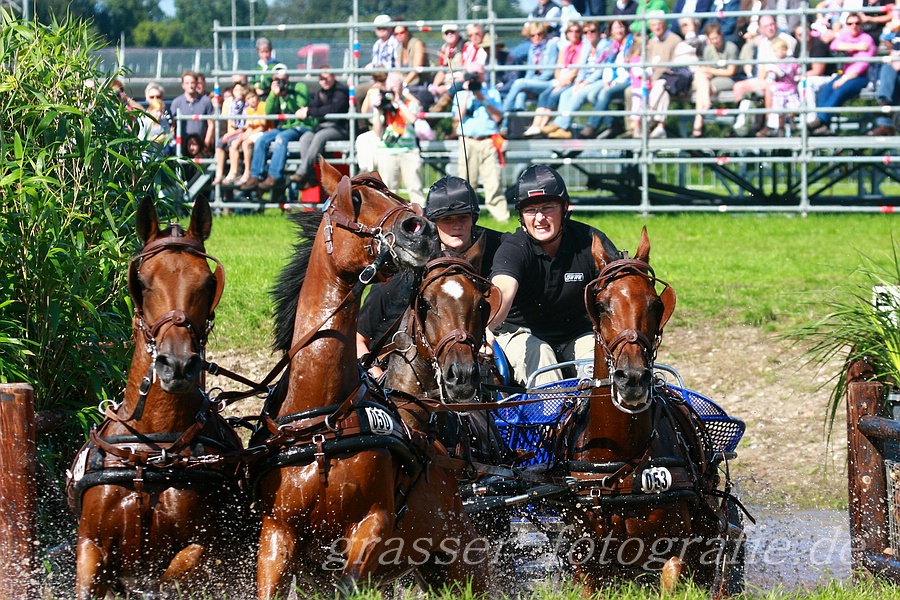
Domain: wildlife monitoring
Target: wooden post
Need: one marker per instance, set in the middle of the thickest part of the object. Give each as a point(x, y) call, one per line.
point(867, 489)
point(18, 494)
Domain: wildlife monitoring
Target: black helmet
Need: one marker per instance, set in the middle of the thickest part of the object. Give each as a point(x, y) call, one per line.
point(451, 196)
point(538, 182)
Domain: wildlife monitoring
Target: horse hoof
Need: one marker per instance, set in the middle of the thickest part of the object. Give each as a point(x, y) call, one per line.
point(670, 575)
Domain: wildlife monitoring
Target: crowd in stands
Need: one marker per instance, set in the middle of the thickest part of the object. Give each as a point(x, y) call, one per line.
point(565, 62)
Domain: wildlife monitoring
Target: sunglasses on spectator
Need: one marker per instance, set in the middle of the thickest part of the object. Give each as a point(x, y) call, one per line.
point(154, 97)
point(852, 22)
point(592, 30)
point(451, 33)
point(400, 32)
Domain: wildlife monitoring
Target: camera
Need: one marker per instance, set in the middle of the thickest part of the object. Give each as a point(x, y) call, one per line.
point(473, 82)
point(387, 101)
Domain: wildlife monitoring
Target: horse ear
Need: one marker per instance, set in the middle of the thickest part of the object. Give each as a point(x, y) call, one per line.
point(599, 253)
point(643, 250)
point(476, 252)
point(147, 222)
point(329, 176)
point(201, 220)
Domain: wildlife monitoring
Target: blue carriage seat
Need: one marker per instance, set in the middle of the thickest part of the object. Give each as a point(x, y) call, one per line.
point(724, 431)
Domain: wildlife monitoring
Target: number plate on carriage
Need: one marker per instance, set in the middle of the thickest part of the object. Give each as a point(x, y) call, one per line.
point(656, 480)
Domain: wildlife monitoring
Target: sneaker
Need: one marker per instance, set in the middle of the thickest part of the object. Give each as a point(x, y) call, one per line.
point(560, 134)
point(658, 132)
point(532, 132)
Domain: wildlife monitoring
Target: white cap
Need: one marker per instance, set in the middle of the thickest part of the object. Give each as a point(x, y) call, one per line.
point(449, 27)
point(382, 20)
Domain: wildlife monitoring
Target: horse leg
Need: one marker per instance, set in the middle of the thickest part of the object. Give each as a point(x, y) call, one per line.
point(185, 564)
point(90, 581)
point(277, 545)
point(670, 575)
point(363, 548)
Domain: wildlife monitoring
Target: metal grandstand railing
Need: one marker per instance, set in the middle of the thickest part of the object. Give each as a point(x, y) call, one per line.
point(750, 165)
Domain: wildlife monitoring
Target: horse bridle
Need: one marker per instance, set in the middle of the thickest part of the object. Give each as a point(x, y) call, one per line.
point(612, 271)
point(153, 332)
point(382, 244)
point(436, 269)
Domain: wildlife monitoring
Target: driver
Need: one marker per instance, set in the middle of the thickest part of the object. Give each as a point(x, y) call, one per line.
point(541, 271)
point(452, 206)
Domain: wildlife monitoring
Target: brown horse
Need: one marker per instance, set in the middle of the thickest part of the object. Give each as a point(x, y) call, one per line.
point(647, 478)
point(155, 487)
point(346, 491)
point(435, 355)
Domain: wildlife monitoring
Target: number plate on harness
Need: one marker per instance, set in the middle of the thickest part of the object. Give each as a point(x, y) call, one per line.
point(656, 480)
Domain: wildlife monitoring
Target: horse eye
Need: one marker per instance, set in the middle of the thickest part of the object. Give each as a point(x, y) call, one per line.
point(357, 201)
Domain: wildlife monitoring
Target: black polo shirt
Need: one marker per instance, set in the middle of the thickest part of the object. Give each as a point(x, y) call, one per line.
point(550, 298)
point(387, 301)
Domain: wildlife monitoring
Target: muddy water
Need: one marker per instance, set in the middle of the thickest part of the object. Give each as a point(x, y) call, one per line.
point(796, 549)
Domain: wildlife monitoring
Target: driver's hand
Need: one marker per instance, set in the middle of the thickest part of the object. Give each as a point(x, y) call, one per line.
point(488, 348)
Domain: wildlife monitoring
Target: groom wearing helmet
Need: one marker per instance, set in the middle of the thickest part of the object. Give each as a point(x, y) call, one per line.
point(452, 206)
point(541, 271)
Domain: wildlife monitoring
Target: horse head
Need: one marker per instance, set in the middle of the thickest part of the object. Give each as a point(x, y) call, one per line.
point(449, 315)
point(628, 317)
point(175, 295)
point(372, 225)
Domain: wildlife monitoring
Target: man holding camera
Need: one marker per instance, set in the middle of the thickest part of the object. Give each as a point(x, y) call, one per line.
point(479, 112)
point(397, 154)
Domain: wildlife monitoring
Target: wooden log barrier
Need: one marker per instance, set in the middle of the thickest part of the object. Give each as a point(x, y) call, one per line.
point(18, 494)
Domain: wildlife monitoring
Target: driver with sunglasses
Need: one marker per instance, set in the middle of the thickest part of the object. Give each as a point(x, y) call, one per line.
point(542, 270)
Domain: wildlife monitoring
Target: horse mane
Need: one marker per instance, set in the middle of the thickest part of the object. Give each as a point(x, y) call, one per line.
point(287, 287)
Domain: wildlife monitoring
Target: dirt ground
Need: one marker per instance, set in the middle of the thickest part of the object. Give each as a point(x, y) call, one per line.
point(784, 457)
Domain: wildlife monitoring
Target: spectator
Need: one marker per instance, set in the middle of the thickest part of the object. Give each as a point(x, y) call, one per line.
point(154, 125)
point(332, 97)
point(266, 64)
point(758, 47)
point(627, 9)
point(503, 79)
point(876, 23)
point(284, 99)
point(888, 90)
point(855, 44)
point(234, 130)
point(473, 52)
point(686, 7)
point(413, 55)
point(614, 82)
point(647, 8)
point(541, 61)
point(192, 103)
point(155, 92)
point(782, 87)
point(568, 15)
point(567, 68)
point(386, 49)
point(192, 147)
point(789, 20)
point(366, 143)
point(545, 9)
point(711, 79)
point(253, 130)
point(724, 10)
point(747, 27)
point(397, 153)
point(819, 72)
point(450, 58)
point(479, 110)
point(660, 49)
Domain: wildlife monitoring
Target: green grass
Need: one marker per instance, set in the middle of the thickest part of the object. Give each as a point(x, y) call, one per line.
point(766, 271)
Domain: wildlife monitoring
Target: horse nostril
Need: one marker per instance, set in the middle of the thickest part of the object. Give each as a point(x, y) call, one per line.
point(192, 367)
point(414, 225)
point(460, 374)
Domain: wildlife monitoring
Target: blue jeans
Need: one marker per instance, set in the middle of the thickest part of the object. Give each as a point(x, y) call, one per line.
point(278, 139)
point(887, 93)
point(519, 92)
point(830, 97)
point(549, 98)
point(574, 97)
point(602, 102)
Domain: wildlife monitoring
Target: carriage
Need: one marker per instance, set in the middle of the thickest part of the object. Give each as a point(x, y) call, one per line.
point(350, 473)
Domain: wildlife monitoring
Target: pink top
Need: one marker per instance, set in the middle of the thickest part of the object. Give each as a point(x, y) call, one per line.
point(786, 81)
point(845, 36)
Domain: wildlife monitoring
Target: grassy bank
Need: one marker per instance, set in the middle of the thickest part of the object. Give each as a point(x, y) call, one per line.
point(761, 270)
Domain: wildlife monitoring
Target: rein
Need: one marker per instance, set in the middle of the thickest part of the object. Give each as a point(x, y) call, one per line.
point(381, 249)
